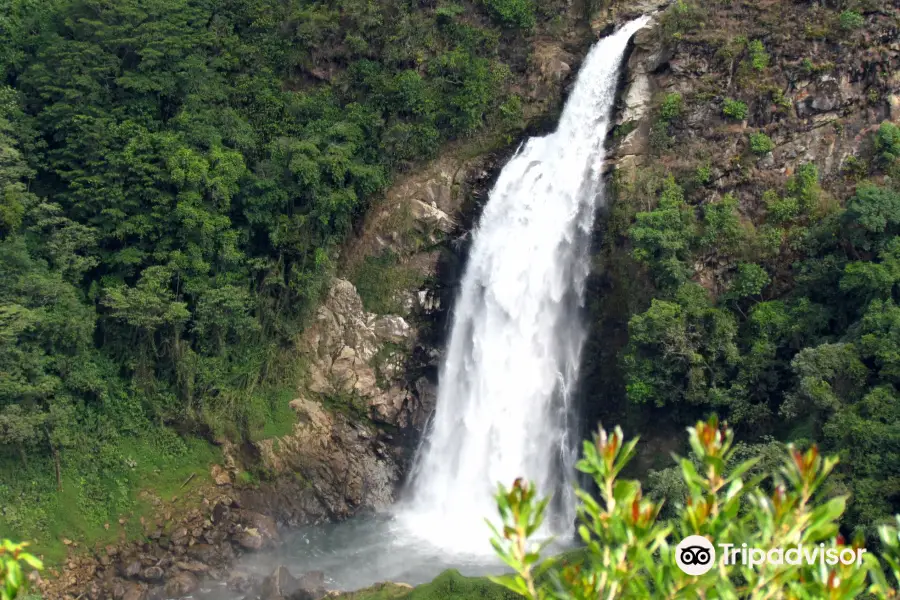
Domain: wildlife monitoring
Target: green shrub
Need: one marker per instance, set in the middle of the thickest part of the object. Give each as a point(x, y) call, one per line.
point(631, 553)
point(749, 280)
point(622, 131)
point(760, 143)
point(759, 58)
point(682, 17)
point(671, 107)
point(887, 141)
point(446, 13)
point(850, 20)
point(781, 210)
point(660, 140)
point(722, 225)
point(703, 175)
point(768, 241)
point(512, 13)
point(734, 109)
point(804, 186)
point(511, 113)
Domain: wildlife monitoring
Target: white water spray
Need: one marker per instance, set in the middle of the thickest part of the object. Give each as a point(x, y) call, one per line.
point(505, 386)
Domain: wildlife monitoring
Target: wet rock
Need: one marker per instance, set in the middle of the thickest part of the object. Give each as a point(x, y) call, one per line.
point(280, 585)
point(157, 593)
point(134, 591)
point(180, 536)
point(311, 586)
point(205, 553)
point(250, 539)
point(388, 407)
point(133, 569)
point(181, 584)
point(241, 582)
point(263, 525)
point(152, 574)
point(220, 512)
point(192, 566)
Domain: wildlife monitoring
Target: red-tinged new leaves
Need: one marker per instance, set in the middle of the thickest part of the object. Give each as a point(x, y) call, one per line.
point(629, 554)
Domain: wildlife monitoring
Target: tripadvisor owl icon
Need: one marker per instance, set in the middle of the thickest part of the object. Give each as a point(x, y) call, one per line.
point(695, 555)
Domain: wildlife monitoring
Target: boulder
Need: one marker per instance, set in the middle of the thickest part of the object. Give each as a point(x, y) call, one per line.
point(205, 553)
point(220, 475)
point(391, 328)
point(134, 591)
point(311, 586)
point(249, 539)
point(133, 569)
point(192, 566)
point(263, 525)
point(152, 574)
point(241, 582)
point(281, 585)
point(181, 584)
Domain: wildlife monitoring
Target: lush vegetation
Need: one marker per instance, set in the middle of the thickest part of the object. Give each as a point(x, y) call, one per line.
point(177, 176)
point(737, 277)
point(814, 359)
point(630, 550)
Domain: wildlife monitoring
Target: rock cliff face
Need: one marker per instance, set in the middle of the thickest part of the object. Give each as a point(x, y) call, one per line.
point(816, 98)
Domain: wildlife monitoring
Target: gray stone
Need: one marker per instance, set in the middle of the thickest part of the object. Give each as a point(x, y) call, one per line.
point(392, 328)
point(181, 584)
point(152, 574)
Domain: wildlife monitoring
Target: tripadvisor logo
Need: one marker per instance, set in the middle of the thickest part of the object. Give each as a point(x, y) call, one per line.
point(695, 555)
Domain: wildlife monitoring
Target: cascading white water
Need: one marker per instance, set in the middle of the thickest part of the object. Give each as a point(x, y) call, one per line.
point(504, 388)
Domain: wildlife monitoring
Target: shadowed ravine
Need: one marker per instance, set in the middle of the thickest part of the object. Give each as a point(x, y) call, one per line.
point(512, 361)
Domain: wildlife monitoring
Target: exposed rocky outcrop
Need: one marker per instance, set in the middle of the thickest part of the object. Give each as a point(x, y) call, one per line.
point(340, 350)
point(818, 113)
point(281, 585)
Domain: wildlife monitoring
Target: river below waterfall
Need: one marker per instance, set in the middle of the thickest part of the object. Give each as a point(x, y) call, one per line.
point(357, 553)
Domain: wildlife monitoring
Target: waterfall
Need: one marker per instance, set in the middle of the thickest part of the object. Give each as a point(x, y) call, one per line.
point(503, 407)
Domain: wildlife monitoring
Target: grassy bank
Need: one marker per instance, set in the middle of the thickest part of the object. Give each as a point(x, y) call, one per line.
point(109, 482)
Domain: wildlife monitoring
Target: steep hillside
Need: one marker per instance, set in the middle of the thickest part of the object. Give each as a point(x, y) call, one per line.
point(748, 264)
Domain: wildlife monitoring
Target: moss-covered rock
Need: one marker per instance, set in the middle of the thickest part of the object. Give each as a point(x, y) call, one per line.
point(449, 585)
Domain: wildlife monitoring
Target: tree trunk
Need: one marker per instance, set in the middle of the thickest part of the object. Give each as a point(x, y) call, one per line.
point(58, 473)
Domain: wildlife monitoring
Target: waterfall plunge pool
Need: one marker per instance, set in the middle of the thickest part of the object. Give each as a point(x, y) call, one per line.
point(360, 552)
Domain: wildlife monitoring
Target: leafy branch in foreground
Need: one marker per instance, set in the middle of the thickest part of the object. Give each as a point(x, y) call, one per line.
point(12, 577)
point(630, 553)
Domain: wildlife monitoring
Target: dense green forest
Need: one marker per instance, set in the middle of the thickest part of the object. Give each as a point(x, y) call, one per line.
point(802, 341)
point(177, 178)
